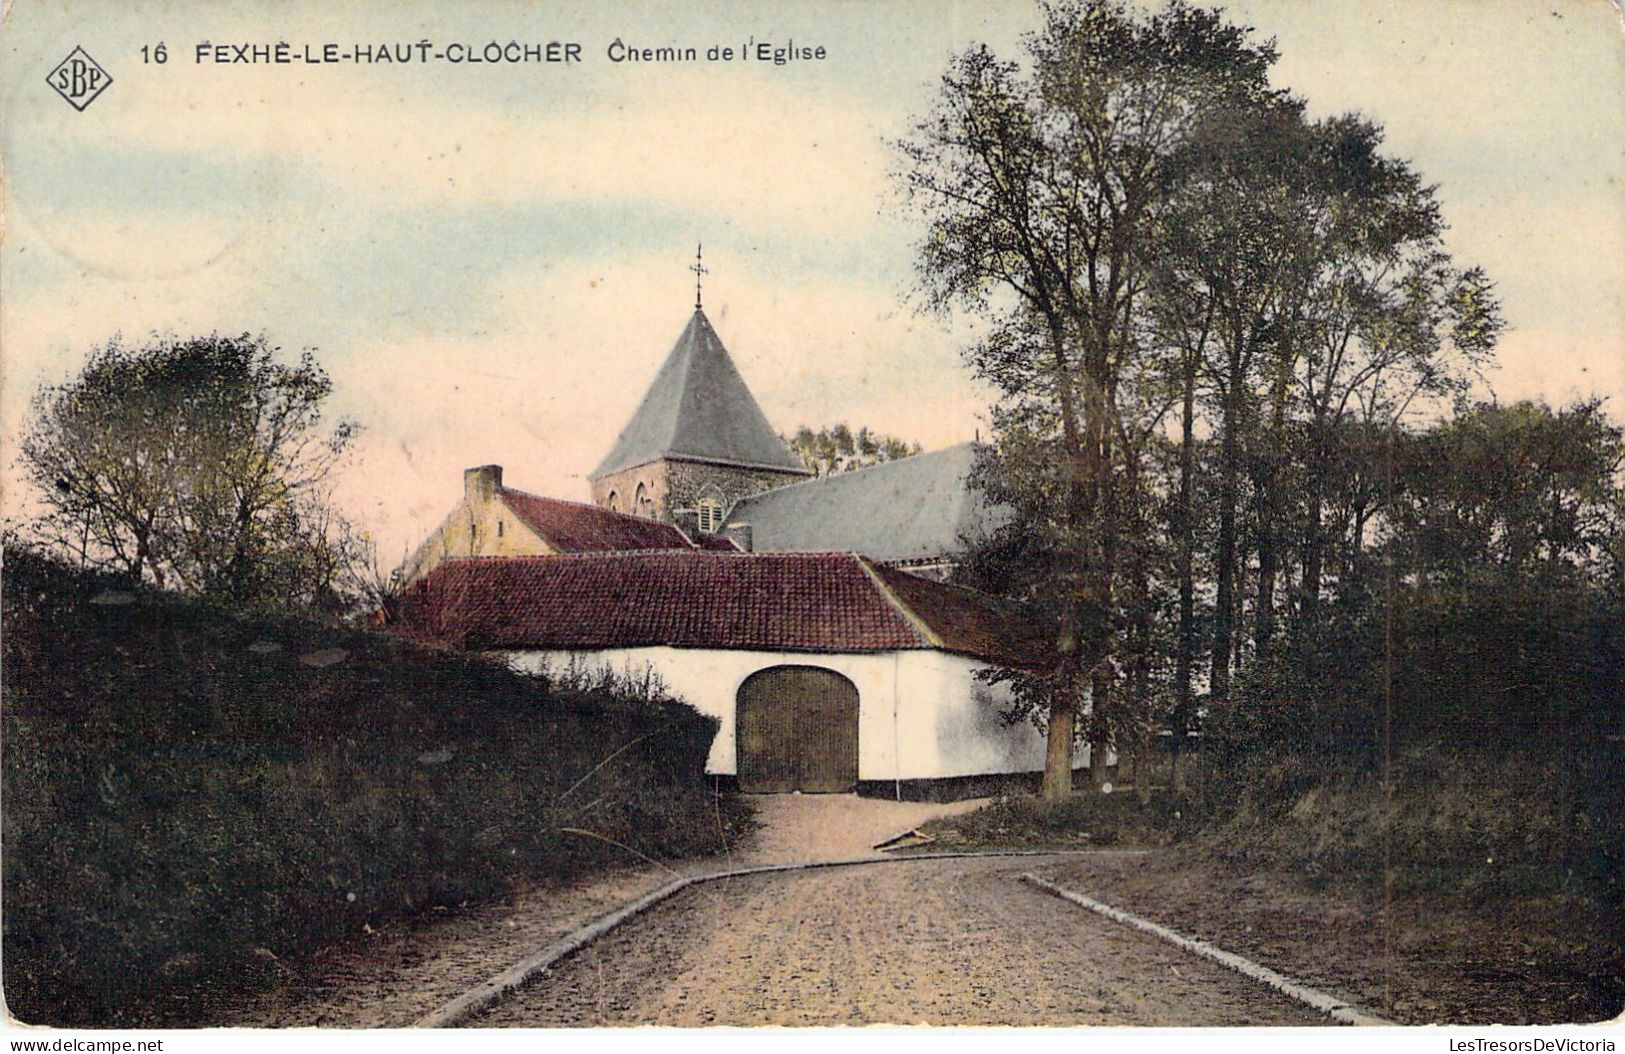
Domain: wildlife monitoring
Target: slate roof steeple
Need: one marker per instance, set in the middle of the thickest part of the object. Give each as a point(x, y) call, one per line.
point(699, 409)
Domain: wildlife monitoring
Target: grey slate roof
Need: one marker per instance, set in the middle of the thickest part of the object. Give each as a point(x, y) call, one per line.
point(918, 508)
point(699, 408)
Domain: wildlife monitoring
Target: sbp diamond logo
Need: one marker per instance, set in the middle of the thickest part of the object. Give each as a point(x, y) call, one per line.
point(79, 79)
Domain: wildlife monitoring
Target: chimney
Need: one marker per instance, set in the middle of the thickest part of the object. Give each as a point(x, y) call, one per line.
point(739, 534)
point(481, 484)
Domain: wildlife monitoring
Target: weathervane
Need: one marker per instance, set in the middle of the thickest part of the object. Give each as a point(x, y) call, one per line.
point(700, 271)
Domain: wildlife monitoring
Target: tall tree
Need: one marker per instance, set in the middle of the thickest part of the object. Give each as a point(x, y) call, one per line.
point(1234, 249)
point(198, 464)
point(1303, 269)
point(1391, 329)
point(1041, 186)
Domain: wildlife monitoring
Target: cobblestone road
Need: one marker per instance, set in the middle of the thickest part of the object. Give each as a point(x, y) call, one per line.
point(935, 942)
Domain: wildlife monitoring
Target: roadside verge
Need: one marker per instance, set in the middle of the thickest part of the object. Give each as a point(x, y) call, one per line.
point(1335, 1008)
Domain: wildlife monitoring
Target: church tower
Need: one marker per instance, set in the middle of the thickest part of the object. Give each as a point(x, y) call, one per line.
point(697, 442)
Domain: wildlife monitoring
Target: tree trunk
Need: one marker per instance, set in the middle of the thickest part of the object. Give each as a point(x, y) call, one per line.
point(1144, 765)
point(1099, 739)
point(1224, 611)
point(1268, 564)
point(1354, 575)
point(1142, 726)
point(1184, 705)
point(1063, 707)
point(1269, 507)
point(138, 565)
point(1314, 540)
point(1058, 749)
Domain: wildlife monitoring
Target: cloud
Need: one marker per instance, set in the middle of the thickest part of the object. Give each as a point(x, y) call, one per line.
point(674, 146)
point(491, 261)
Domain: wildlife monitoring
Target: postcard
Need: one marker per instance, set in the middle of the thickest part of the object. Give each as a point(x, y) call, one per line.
point(1017, 513)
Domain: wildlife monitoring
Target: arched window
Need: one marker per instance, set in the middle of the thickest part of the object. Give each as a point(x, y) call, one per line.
point(642, 501)
point(614, 502)
point(710, 515)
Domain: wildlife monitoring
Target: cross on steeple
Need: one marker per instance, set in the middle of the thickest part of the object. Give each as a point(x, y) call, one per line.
point(700, 271)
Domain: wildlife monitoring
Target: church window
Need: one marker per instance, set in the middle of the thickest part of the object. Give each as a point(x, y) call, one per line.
point(614, 502)
point(642, 500)
point(499, 528)
point(710, 515)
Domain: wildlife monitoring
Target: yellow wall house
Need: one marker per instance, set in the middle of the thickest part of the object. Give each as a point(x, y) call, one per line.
point(493, 520)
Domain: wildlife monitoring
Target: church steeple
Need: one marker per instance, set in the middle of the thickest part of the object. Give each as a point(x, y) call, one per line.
point(699, 409)
point(698, 434)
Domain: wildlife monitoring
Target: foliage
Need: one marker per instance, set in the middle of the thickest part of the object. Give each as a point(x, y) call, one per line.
point(1512, 492)
point(192, 796)
point(1303, 277)
point(1474, 580)
point(199, 465)
point(830, 451)
point(1211, 323)
point(1043, 187)
point(581, 675)
point(1309, 790)
point(1034, 823)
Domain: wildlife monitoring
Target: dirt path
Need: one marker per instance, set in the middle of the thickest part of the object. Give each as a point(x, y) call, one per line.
point(937, 942)
point(799, 828)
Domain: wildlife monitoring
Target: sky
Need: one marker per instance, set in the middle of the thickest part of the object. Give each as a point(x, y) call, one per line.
point(491, 259)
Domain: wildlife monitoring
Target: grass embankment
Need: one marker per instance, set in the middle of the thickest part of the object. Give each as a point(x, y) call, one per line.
point(1026, 822)
point(193, 796)
point(1480, 888)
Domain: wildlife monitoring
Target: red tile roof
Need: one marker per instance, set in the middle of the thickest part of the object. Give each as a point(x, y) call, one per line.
point(573, 527)
point(814, 602)
point(969, 622)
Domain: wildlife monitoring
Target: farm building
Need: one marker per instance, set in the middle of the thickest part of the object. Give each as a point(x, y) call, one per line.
point(494, 520)
point(825, 671)
point(809, 616)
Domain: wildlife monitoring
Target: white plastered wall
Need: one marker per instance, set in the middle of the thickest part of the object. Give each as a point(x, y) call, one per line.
point(921, 714)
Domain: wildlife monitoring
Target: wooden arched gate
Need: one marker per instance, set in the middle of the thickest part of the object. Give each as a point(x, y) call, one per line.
point(797, 730)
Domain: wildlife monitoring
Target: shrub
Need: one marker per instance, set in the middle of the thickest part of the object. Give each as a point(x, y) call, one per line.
point(190, 795)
